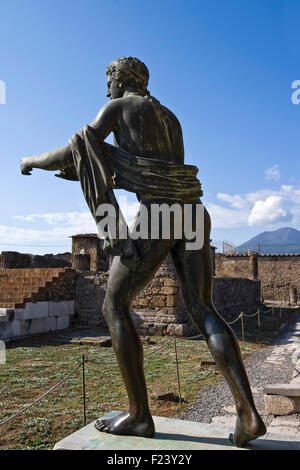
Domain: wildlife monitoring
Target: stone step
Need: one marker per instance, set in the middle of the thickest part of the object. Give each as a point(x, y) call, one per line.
point(17, 302)
point(8, 305)
point(12, 282)
point(88, 320)
point(16, 296)
point(95, 323)
point(30, 273)
point(79, 323)
point(20, 286)
point(288, 390)
point(87, 311)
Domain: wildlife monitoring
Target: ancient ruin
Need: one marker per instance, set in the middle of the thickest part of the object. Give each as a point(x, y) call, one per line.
point(157, 310)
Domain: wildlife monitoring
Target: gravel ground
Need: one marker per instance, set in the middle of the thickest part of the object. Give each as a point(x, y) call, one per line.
point(213, 399)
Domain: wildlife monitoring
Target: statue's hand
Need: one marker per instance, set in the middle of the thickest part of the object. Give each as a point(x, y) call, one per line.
point(26, 166)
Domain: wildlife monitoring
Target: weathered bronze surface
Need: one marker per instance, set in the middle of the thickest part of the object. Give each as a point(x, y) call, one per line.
point(143, 127)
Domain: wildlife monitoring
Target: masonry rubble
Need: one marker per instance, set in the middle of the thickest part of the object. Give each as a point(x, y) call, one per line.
point(159, 308)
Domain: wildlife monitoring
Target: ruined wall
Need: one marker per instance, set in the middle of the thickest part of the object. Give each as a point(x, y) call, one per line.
point(35, 300)
point(234, 295)
point(159, 308)
point(279, 274)
point(13, 259)
point(62, 288)
point(89, 296)
point(18, 286)
point(232, 266)
point(92, 245)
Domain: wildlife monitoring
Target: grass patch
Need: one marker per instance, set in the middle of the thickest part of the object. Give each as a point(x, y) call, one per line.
point(36, 364)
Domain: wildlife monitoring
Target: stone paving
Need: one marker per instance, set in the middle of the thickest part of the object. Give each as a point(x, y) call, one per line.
point(288, 346)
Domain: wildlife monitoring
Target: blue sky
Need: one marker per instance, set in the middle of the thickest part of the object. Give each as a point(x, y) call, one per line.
point(224, 67)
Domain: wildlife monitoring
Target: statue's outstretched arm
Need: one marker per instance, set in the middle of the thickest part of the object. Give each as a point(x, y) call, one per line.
point(104, 123)
point(52, 160)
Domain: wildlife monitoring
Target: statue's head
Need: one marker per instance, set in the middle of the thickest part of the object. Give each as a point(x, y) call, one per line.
point(127, 73)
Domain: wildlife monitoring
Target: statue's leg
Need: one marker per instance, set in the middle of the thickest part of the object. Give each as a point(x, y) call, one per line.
point(127, 278)
point(194, 270)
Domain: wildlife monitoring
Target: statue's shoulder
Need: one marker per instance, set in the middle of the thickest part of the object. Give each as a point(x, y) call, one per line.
point(172, 117)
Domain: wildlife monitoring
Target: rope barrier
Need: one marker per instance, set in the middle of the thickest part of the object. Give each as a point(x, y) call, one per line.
point(84, 360)
point(250, 316)
point(234, 321)
point(193, 337)
point(101, 362)
point(267, 311)
point(7, 420)
point(115, 363)
point(160, 347)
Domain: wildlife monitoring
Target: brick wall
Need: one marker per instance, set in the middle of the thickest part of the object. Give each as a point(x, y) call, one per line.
point(278, 274)
point(21, 285)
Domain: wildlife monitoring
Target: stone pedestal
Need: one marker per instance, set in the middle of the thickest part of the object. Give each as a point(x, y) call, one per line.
point(282, 399)
point(171, 434)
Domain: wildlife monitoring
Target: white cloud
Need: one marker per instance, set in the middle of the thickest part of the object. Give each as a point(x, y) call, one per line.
point(268, 212)
point(61, 218)
point(224, 217)
point(57, 227)
point(236, 201)
point(265, 206)
point(273, 173)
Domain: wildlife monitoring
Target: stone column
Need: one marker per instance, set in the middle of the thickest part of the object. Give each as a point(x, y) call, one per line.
point(293, 295)
point(254, 265)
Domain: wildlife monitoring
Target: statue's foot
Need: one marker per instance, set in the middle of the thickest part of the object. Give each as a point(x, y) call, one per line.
point(125, 424)
point(247, 430)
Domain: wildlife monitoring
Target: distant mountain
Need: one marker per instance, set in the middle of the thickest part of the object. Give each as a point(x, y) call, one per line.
point(282, 241)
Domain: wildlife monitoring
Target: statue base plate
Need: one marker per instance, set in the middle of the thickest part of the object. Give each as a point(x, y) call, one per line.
point(171, 434)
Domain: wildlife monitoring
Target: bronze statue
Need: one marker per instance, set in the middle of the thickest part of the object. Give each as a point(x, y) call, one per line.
point(142, 127)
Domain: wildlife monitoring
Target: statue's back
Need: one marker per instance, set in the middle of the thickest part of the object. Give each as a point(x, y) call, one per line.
point(148, 129)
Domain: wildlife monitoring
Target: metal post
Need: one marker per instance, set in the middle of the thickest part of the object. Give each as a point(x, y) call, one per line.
point(177, 369)
point(243, 332)
point(258, 318)
point(83, 391)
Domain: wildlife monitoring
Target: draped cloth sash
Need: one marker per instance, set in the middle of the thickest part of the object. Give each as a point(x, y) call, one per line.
point(101, 167)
